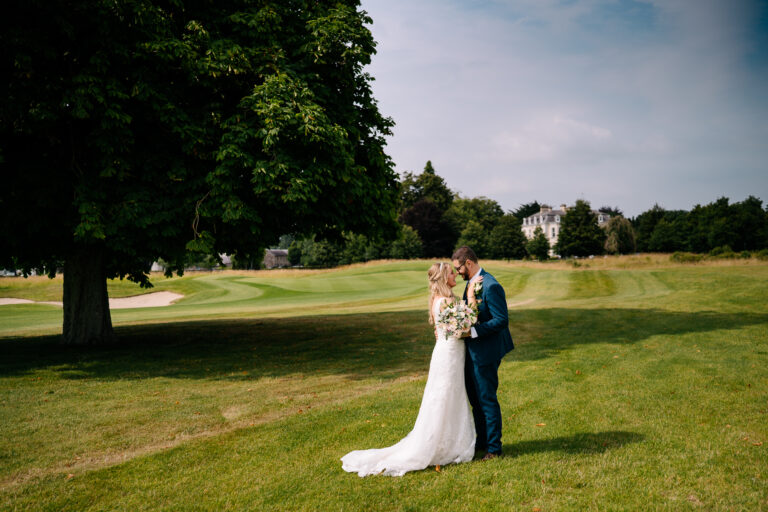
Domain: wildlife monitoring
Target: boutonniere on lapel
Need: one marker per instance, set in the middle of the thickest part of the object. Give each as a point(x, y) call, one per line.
point(478, 288)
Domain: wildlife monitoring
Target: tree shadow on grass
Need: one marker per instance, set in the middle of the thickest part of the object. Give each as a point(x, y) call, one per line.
point(385, 345)
point(584, 443)
point(380, 345)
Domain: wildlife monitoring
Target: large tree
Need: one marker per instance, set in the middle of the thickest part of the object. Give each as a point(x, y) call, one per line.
point(135, 130)
point(750, 223)
point(666, 238)
point(580, 234)
point(475, 236)
point(613, 211)
point(620, 236)
point(644, 225)
point(483, 210)
point(507, 239)
point(437, 236)
point(538, 246)
point(427, 185)
point(526, 210)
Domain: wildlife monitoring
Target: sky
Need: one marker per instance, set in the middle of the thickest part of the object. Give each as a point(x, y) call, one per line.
point(619, 102)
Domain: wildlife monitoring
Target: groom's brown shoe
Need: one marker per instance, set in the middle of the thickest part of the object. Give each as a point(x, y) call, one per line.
point(489, 456)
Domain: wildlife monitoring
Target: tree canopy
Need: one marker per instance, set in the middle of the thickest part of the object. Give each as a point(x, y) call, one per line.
point(538, 246)
point(580, 234)
point(741, 226)
point(436, 234)
point(486, 212)
point(507, 240)
point(427, 185)
point(133, 131)
point(526, 210)
point(475, 236)
point(665, 237)
point(613, 211)
point(620, 236)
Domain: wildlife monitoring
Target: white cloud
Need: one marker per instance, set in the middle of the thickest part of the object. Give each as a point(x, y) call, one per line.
point(623, 103)
point(550, 139)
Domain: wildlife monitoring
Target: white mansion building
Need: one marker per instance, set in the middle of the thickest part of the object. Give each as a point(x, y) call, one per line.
point(549, 222)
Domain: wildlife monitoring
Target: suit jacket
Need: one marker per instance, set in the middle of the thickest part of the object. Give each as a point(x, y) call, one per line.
point(493, 339)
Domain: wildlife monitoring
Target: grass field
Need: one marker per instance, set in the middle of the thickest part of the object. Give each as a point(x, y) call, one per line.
point(635, 385)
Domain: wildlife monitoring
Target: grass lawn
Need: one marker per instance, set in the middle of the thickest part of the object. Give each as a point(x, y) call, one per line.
point(635, 385)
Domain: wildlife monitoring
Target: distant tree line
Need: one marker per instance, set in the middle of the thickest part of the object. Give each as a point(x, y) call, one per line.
point(353, 248)
point(434, 220)
point(739, 226)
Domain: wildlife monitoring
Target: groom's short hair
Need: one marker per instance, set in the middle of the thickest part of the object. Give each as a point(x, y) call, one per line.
point(464, 253)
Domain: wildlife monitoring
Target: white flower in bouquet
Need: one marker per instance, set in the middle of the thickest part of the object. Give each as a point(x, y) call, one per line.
point(456, 319)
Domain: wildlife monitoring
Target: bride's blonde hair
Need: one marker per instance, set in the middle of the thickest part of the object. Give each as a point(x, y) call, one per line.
point(438, 284)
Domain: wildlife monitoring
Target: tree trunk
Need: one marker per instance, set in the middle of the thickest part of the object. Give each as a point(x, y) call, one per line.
point(86, 305)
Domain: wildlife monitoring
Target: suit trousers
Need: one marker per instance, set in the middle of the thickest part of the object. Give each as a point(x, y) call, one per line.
point(482, 382)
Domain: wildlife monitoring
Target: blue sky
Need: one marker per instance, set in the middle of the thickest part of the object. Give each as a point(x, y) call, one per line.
point(621, 102)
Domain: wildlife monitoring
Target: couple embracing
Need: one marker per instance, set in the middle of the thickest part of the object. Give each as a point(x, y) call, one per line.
point(463, 371)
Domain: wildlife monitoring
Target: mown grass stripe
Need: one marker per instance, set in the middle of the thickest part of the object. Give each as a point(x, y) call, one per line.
point(590, 284)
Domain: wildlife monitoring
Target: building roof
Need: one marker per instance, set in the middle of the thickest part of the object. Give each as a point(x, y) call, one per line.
point(278, 252)
point(552, 213)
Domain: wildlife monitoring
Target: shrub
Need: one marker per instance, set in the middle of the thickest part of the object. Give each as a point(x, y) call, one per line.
point(686, 257)
point(724, 251)
point(407, 245)
point(745, 255)
point(762, 254)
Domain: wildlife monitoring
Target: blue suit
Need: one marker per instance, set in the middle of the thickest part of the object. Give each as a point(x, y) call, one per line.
point(484, 354)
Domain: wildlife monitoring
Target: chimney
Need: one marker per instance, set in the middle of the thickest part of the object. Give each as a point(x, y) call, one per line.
point(545, 208)
point(563, 207)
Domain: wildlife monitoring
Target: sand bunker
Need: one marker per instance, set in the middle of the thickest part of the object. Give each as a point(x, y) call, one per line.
point(5, 302)
point(148, 300)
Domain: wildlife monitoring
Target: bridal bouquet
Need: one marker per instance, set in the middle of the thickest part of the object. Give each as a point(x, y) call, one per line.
point(456, 319)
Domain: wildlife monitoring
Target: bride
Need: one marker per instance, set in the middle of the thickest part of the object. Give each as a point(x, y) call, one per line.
point(444, 431)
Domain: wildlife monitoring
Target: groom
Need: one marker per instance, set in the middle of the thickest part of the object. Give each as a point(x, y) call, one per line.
point(489, 341)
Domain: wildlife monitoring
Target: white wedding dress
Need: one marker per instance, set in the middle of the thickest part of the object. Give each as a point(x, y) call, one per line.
point(444, 432)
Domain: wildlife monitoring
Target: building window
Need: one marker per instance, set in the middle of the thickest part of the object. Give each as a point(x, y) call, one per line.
point(600, 219)
point(553, 232)
point(557, 218)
